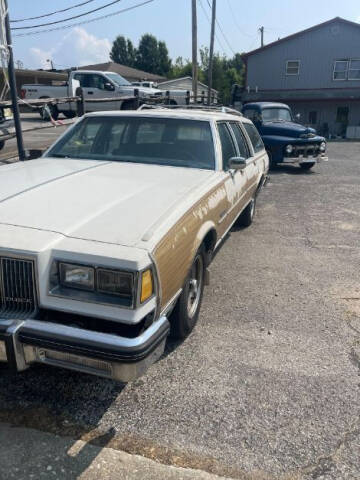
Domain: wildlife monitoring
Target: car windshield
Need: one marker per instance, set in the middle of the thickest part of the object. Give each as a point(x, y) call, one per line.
point(276, 114)
point(160, 141)
point(118, 79)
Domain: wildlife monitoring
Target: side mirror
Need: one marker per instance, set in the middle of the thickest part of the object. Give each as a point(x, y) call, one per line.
point(109, 86)
point(298, 116)
point(237, 163)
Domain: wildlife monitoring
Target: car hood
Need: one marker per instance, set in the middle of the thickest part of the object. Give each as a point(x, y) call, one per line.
point(286, 129)
point(111, 202)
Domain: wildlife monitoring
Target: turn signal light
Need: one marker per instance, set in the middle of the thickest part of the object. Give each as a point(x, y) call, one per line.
point(146, 286)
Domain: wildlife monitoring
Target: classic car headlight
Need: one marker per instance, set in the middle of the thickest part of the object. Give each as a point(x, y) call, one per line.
point(322, 146)
point(77, 276)
point(94, 284)
point(289, 149)
point(114, 282)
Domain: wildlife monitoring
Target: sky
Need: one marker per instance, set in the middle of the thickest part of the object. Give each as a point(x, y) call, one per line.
point(168, 20)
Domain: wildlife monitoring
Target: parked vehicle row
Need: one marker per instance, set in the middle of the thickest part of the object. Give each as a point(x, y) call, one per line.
point(130, 208)
point(95, 85)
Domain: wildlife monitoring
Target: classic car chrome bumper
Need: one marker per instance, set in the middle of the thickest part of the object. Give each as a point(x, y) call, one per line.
point(23, 343)
point(305, 159)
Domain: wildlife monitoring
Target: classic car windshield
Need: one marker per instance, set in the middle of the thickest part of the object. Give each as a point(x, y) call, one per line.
point(150, 140)
point(273, 114)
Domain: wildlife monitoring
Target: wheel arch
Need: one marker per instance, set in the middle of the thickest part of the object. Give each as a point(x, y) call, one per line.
point(207, 236)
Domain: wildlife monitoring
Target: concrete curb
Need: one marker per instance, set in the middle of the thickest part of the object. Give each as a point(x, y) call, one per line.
point(32, 454)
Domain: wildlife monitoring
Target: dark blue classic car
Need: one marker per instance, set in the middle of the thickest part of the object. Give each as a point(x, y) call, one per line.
point(285, 140)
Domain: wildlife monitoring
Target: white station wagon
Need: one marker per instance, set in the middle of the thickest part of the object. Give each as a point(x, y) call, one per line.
point(106, 239)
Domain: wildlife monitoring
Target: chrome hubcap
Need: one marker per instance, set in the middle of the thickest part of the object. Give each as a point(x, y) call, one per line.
point(195, 286)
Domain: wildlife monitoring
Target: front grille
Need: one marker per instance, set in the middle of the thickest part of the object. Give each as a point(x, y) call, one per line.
point(304, 151)
point(17, 288)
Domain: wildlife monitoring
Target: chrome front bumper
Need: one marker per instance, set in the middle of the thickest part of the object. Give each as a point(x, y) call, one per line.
point(23, 343)
point(305, 159)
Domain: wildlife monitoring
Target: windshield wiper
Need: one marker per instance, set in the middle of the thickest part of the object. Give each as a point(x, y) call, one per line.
point(59, 155)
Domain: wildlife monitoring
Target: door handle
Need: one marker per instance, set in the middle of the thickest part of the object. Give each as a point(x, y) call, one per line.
point(90, 93)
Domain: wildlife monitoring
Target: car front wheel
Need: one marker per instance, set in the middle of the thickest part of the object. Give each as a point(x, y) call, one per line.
point(2, 144)
point(186, 312)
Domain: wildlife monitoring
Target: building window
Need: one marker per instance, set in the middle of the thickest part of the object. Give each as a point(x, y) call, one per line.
point(347, 69)
point(354, 70)
point(292, 67)
point(313, 118)
point(342, 115)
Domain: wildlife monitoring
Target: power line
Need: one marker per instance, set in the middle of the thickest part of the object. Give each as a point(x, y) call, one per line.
point(52, 13)
point(64, 27)
point(222, 32)
point(208, 18)
point(69, 18)
point(236, 22)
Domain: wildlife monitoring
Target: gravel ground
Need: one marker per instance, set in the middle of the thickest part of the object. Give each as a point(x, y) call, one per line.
point(268, 385)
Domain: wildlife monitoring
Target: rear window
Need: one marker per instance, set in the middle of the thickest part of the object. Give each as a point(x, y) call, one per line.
point(254, 137)
point(161, 141)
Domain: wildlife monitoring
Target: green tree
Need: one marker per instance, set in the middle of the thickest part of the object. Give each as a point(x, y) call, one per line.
point(181, 68)
point(226, 72)
point(131, 52)
point(123, 51)
point(147, 54)
point(163, 59)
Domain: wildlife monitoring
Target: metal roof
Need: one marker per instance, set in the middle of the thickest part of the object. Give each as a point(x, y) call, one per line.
point(294, 35)
point(124, 71)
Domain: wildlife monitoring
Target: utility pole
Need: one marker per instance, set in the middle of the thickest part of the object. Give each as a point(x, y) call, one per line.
point(51, 63)
point(194, 51)
point(13, 91)
point(261, 30)
point(211, 57)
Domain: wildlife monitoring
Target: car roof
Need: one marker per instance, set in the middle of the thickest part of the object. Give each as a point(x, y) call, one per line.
point(189, 114)
point(260, 105)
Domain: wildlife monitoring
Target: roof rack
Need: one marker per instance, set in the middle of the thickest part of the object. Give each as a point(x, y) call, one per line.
point(202, 108)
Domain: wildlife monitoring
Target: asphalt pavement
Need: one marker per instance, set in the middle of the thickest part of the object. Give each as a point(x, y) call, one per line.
point(268, 384)
point(37, 134)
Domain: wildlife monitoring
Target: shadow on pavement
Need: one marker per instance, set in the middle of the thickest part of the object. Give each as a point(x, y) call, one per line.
point(291, 170)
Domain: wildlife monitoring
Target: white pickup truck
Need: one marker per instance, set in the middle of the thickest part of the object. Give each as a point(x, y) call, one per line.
point(95, 85)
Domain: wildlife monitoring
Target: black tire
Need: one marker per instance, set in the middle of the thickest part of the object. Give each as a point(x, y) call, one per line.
point(186, 312)
point(2, 144)
point(53, 110)
point(247, 216)
point(307, 166)
point(69, 114)
point(272, 165)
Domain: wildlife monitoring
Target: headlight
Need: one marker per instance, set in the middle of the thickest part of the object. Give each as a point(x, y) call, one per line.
point(77, 276)
point(114, 282)
point(289, 149)
point(93, 284)
point(322, 146)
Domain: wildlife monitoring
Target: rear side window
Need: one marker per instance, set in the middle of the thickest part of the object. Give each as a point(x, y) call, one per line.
point(240, 140)
point(227, 145)
point(254, 137)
